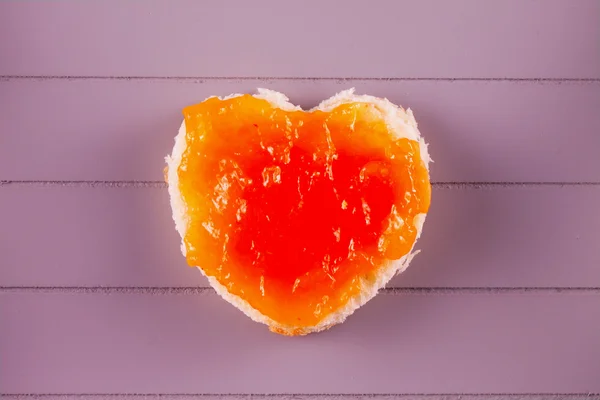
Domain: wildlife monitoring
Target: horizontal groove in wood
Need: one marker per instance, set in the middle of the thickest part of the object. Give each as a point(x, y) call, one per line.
point(191, 396)
point(163, 185)
point(478, 131)
point(200, 79)
point(465, 38)
point(189, 291)
point(538, 236)
point(522, 343)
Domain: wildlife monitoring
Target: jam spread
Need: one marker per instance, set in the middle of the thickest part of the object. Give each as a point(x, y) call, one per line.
point(292, 210)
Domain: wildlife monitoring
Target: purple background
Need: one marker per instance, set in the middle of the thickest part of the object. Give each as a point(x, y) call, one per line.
point(96, 300)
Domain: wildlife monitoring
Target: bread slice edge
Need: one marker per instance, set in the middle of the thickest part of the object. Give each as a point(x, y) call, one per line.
point(401, 123)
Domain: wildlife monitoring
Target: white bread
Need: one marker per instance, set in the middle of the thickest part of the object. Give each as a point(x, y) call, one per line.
point(400, 122)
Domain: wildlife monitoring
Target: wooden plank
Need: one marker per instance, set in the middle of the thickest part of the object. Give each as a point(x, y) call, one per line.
point(122, 129)
point(474, 237)
point(386, 38)
point(477, 343)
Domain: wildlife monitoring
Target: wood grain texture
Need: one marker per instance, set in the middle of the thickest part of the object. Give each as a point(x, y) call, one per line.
point(96, 301)
point(122, 129)
point(474, 237)
point(388, 38)
point(121, 343)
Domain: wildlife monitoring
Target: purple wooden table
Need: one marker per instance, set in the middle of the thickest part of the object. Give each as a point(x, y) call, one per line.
point(96, 301)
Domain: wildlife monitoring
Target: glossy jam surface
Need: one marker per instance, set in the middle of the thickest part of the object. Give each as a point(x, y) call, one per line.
point(290, 210)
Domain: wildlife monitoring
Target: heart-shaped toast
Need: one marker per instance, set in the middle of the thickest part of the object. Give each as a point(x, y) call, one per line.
point(298, 217)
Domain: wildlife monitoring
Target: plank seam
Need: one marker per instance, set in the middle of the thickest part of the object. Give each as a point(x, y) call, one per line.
point(158, 290)
point(162, 185)
point(309, 395)
point(93, 183)
point(200, 79)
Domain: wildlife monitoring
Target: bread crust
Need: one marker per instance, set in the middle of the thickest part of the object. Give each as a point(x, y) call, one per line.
point(402, 124)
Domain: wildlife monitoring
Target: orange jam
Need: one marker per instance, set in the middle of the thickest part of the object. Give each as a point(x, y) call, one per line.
point(290, 210)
